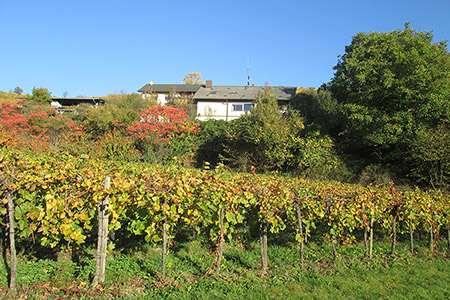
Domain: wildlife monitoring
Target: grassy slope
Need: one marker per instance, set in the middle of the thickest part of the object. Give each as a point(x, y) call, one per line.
point(11, 97)
point(136, 275)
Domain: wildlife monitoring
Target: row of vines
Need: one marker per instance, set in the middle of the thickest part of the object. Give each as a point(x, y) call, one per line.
point(57, 198)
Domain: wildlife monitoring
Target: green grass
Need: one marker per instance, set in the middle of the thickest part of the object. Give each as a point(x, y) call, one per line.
point(348, 276)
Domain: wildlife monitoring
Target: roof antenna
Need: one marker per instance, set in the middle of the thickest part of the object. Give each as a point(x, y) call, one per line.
point(248, 72)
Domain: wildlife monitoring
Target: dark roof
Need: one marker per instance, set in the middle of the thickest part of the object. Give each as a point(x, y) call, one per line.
point(241, 93)
point(76, 101)
point(167, 88)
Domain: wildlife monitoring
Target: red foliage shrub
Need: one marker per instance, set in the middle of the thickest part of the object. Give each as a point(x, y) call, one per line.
point(159, 123)
point(39, 130)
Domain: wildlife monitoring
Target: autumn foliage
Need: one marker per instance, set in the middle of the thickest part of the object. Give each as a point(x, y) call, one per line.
point(159, 123)
point(38, 129)
point(161, 131)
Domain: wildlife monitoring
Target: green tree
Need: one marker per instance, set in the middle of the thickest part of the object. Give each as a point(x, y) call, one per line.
point(319, 109)
point(119, 111)
point(212, 141)
point(269, 139)
point(430, 156)
point(18, 91)
point(264, 137)
point(389, 84)
point(41, 95)
point(193, 78)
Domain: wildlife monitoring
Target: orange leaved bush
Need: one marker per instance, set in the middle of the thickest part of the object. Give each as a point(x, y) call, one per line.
point(159, 123)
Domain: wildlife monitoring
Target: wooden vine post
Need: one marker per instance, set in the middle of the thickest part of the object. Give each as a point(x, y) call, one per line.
point(12, 246)
point(221, 240)
point(333, 246)
point(448, 238)
point(263, 225)
point(12, 242)
point(411, 235)
point(103, 223)
point(394, 230)
point(300, 229)
point(431, 230)
point(366, 235)
point(371, 233)
point(165, 241)
point(263, 245)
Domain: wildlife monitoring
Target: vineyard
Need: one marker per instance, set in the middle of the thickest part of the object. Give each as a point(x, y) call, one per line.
point(59, 197)
point(4, 97)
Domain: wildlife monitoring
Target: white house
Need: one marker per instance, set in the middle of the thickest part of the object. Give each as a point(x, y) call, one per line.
point(163, 92)
point(216, 102)
point(230, 102)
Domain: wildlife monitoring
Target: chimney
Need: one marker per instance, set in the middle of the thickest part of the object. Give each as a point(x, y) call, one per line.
point(209, 83)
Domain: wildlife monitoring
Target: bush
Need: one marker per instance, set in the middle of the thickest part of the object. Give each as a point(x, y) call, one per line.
point(41, 95)
point(211, 142)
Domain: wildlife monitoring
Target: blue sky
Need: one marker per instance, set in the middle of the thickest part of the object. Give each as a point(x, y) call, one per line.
point(97, 47)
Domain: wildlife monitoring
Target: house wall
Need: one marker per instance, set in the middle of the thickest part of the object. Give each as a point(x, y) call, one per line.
point(161, 99)
point(220, 110)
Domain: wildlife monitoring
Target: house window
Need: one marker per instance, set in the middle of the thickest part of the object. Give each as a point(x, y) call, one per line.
point(248, 107)
point(237, 107)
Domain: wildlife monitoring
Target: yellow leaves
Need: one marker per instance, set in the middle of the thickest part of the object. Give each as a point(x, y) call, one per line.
point(320, 213)
point(83, 216)
point(62, 205)
point(65, 229)
point(180, 210)
point(37, 214)
point(72, 232)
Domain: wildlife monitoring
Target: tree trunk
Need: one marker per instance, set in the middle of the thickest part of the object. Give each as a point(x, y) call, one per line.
point(411, 236)
point(12, 247)
point(263, 244)
point(164, 241)
point(300, 228)
point(102, 242)
point(221, 240)
point(394, 234)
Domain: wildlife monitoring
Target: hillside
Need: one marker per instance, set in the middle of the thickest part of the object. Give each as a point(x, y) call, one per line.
point(5, 96)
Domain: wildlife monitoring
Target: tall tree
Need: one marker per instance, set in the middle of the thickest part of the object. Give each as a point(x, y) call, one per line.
point(389, 84)
point(266, 138)
point(18, 91)
point(318, 107)
point(193, 78)
point(41, 95)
